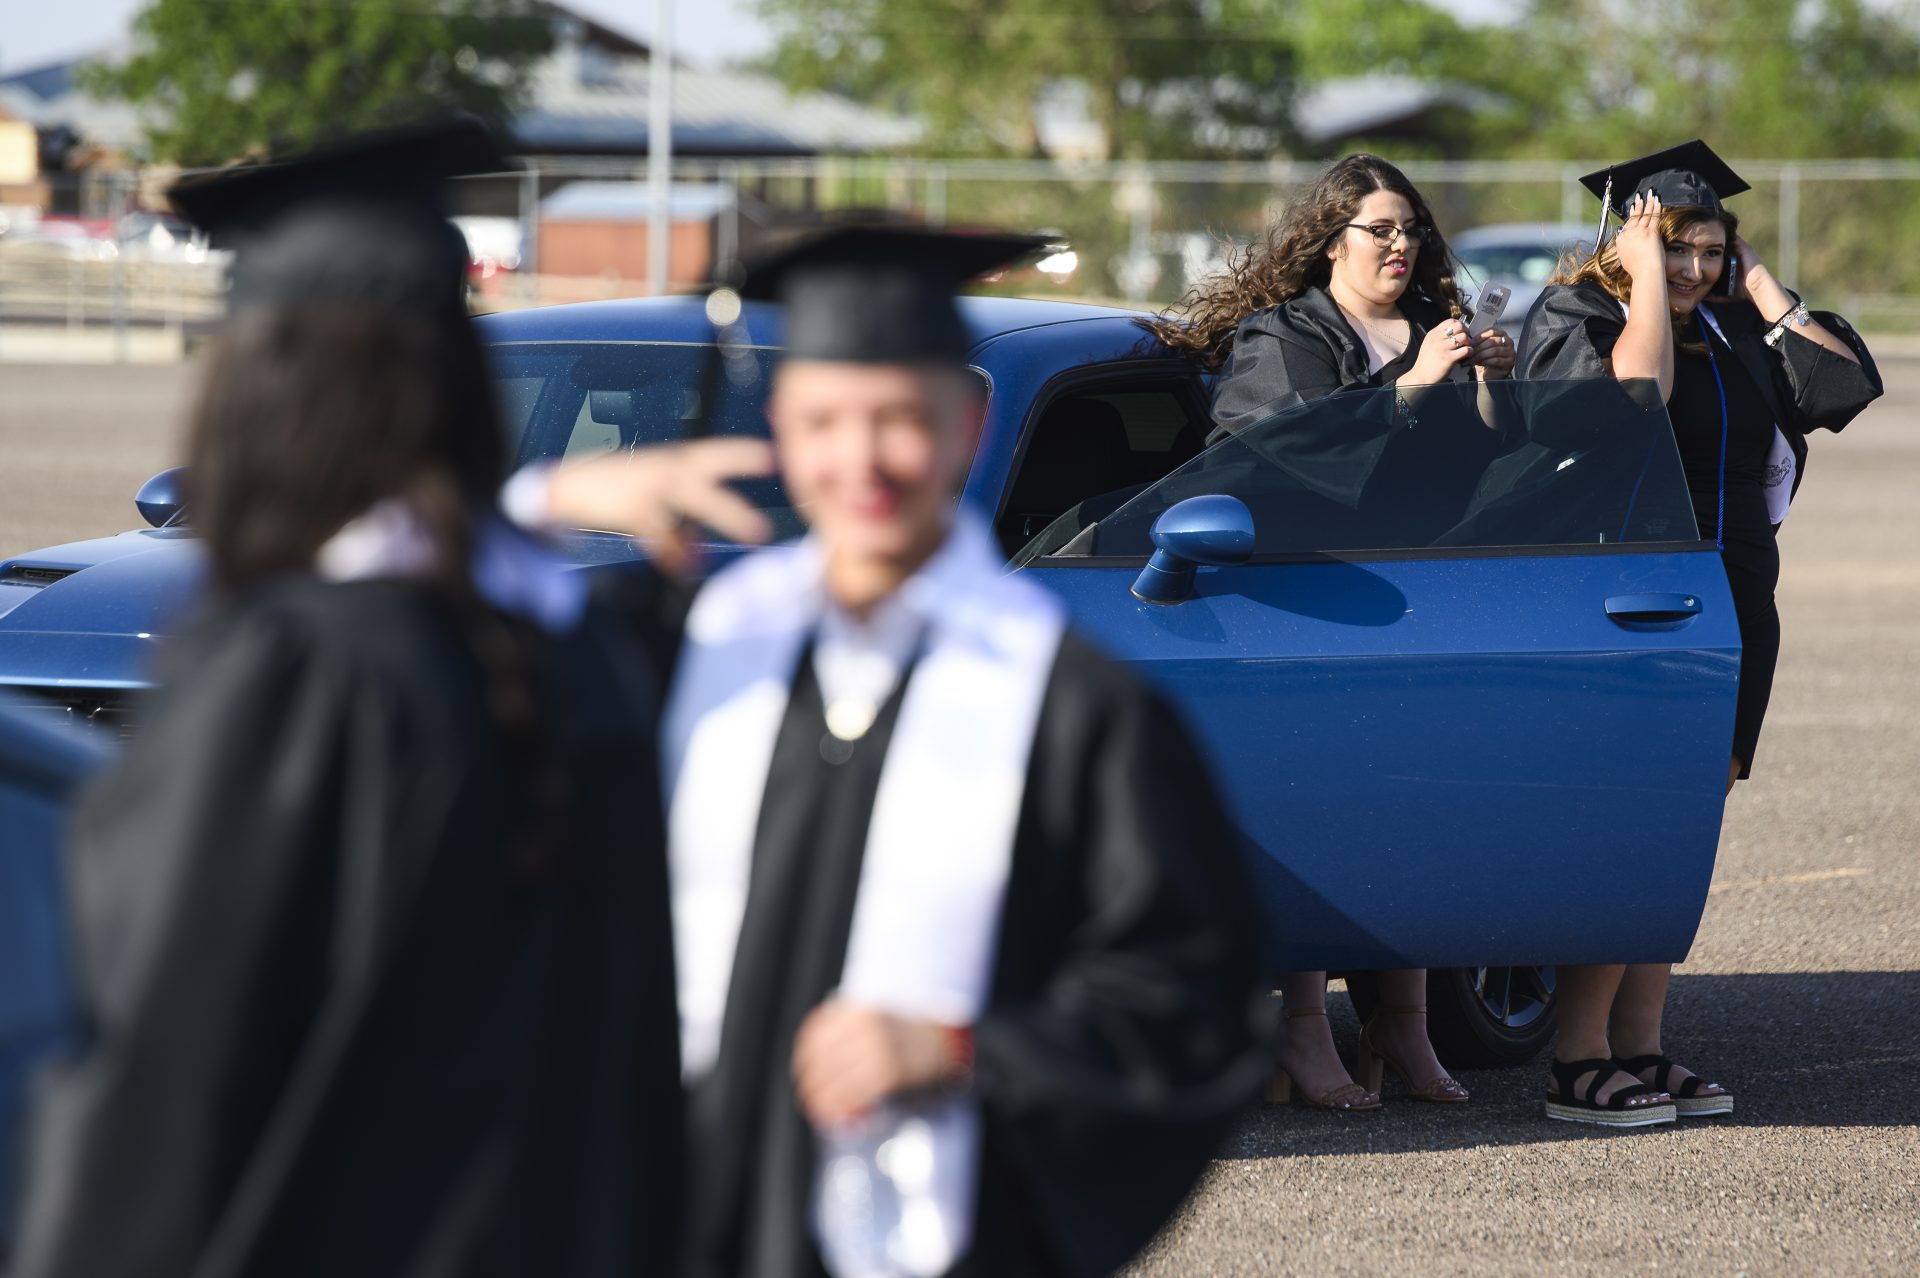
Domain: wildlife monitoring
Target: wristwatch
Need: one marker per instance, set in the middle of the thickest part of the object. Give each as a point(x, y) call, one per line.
point(1798, 317)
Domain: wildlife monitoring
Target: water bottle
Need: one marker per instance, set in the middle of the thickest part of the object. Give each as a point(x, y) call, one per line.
point(871, 1214)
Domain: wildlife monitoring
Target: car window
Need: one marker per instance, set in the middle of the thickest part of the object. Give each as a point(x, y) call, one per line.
point(1099, 436)
point(1531, 261)
point(1584, 463)
point(574, 399)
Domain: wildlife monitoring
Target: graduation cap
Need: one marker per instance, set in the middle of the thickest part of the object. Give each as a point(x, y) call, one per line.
point(878, 294)
point(362, 219)
point(1686, 176)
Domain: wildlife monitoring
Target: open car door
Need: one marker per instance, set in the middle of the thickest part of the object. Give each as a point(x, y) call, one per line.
point(1471, 698)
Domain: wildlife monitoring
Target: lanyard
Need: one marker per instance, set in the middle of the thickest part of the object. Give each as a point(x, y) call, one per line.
point(1720, 515)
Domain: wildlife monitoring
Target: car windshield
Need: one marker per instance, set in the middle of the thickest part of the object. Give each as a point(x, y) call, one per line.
point(1506, 464)
point(574, 399)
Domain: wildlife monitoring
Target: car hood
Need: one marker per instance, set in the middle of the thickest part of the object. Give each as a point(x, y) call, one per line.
point(87, 614)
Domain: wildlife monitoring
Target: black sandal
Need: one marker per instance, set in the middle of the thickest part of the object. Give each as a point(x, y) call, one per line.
point(1688, 1101)
point(1615, 1111)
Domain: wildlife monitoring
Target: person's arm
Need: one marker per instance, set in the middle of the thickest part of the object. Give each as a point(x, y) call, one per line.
point(1645, 349)
point(662, 495)
point(1774, 303)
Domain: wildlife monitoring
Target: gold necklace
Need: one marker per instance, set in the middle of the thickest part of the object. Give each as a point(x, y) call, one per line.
point(1386, 335)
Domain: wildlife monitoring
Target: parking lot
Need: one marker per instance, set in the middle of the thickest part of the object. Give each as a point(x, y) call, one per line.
point(1800, 994)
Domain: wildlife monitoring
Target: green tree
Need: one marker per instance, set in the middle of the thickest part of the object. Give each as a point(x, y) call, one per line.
point(1777, 78)
point(215, 80)
point(1161, 78)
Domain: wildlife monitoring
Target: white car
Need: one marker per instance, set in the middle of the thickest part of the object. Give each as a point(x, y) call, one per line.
point(1520, 255)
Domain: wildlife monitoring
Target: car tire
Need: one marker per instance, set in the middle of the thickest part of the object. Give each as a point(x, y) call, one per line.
point(1478, 1017)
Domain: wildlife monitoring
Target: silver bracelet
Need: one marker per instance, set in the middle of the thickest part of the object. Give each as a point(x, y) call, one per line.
point(1406, 409)
point(1799, 317)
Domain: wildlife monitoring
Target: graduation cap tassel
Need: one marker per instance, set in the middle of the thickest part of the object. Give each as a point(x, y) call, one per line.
point(1606, 202)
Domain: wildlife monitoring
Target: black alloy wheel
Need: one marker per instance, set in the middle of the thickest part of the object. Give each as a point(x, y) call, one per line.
point(1479, 1017)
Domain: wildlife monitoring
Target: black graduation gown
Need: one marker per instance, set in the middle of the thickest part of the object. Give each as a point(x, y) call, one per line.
point(1797, 384)
point(1125, 1023)
point(335, 1026)
point(1572, 328)
point(1406, 480)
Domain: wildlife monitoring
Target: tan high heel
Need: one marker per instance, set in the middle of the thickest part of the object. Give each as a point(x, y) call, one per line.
point(1346, 1098)
point(1372, 1064)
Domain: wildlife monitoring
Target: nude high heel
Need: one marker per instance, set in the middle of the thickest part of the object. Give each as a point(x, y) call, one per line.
point(1346, 1098)
point(1373, 1063)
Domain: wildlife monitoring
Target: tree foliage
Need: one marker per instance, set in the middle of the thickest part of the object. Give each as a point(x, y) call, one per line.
point(1158, 77)
point(1787, 79)
point(215, 80)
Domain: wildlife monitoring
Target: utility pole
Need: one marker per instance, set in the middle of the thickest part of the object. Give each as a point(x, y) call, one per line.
point(660, 147)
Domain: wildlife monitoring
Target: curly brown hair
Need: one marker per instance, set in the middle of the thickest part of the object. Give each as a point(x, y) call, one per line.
point(1292, 258)
point(1603, 267)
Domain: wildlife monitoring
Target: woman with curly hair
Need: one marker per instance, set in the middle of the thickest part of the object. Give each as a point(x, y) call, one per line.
point(1352, 290)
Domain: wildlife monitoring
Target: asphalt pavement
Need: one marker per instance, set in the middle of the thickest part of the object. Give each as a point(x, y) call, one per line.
point(1800, 995)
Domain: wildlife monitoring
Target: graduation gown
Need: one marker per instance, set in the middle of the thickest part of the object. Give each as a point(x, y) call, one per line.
point(1405, 480)
point(335, 1024)
point(1796, 386)
point(1571, 331)
point(1122, 1025)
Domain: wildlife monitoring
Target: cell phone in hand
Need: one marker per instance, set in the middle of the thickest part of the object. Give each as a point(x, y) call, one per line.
point(1488, 307)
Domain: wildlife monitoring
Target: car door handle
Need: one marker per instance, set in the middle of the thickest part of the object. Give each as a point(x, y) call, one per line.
point(1644, 612)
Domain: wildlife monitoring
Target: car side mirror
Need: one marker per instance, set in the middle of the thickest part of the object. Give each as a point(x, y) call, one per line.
point(161, 497)
point(1214, 529)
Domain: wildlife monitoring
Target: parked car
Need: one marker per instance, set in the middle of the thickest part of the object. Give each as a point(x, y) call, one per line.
point(1520, 255)
point(1485, 746)
point(40, 763)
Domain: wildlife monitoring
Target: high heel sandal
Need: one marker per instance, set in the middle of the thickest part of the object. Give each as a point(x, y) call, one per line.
point(1373, 1062)
point(1346, 1098)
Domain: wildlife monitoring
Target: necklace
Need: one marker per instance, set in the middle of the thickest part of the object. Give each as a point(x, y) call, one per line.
point(1396, 332)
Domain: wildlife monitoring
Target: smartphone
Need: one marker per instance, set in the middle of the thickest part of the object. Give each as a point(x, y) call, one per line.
point(1488, 307)
point(1729, 274)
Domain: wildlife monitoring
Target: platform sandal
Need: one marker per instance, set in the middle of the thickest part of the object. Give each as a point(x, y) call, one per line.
point(1348, 1098)
point(1373, 1063)
point(1617, 1110)
point(1694, 1098)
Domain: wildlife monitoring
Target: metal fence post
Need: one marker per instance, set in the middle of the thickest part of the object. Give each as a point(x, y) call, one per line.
point(1790, 224)
point(936, 195)
point(529, 229)
point(1573, 205)
point(121, 190)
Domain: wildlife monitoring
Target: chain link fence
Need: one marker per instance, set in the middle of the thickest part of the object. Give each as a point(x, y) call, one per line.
point(1137, 234)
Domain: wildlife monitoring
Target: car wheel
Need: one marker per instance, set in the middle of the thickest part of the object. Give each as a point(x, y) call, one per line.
point(1478, 1017)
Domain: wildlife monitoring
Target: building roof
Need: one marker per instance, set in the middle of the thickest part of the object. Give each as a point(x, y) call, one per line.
point(588, 97)
point(1355, 106)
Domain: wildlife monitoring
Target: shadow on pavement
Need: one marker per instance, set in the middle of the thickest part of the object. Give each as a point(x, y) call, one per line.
point(1802, 1049)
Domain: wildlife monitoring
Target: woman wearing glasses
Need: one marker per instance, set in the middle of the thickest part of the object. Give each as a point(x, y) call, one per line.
point(1352, 290)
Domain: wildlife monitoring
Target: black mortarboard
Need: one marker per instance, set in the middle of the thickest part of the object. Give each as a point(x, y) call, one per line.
point(1686, 176)
point(878, 294)
point(359, 220)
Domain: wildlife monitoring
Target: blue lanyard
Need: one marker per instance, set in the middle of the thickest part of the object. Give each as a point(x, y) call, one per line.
point(1720, 516)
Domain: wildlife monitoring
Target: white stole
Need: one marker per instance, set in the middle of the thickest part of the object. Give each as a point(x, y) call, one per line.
point(940, 841)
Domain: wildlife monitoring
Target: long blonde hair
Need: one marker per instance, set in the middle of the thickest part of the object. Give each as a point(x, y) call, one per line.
point(1603, 267)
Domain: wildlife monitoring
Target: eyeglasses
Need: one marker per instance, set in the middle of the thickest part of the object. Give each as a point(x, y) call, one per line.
point(1383, 233)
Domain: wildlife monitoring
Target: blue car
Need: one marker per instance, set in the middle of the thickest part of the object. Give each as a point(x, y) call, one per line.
point(40, 763)
point(1462, 664)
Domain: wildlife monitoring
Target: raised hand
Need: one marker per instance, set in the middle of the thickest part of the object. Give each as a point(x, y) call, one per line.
point(1641, 246)
point(664, 495)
